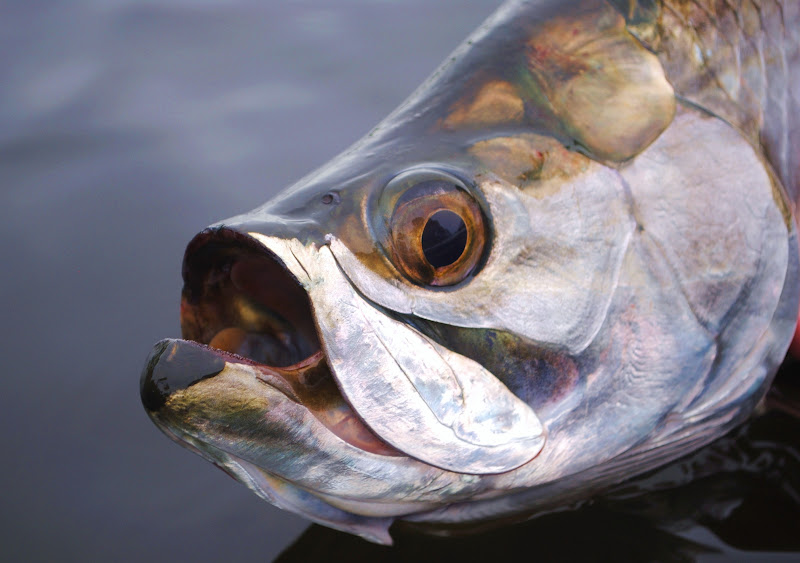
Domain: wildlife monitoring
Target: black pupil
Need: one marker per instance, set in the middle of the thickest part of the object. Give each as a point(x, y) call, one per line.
point(444, 238)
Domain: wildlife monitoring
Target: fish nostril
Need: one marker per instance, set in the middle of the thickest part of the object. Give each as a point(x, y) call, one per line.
point(174, 365)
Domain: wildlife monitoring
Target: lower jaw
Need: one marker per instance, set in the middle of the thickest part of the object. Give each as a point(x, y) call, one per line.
point(351, 515)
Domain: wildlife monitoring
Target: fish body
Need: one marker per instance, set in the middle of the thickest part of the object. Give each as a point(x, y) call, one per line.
point(569, 257)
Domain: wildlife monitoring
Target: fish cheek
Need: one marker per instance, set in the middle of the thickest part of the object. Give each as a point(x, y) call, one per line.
point(541, 377)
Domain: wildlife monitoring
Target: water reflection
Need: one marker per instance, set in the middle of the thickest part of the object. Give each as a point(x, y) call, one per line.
point(737, 499)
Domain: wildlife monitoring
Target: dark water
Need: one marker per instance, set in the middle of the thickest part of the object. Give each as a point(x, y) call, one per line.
point(125, 127)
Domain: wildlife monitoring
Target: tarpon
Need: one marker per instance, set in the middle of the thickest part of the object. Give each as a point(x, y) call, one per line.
point(568, 258)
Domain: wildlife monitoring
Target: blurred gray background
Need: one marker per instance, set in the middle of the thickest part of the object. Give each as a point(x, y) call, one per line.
point(125, 128)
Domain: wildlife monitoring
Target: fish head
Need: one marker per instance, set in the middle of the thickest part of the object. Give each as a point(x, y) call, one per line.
point(500, 298)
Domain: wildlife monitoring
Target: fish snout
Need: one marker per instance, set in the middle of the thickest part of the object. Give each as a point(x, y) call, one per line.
point(174, 365)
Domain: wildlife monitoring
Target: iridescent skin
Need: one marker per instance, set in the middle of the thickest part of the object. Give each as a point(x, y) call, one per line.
point(638, 289)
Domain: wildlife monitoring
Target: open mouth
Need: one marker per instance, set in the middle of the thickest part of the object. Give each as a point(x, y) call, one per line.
point(238, 297)
point(240, 305)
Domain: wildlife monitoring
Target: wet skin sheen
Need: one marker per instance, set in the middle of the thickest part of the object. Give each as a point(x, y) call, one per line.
point(566, 259)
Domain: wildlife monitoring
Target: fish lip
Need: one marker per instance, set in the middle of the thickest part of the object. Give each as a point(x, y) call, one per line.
point(196, 362)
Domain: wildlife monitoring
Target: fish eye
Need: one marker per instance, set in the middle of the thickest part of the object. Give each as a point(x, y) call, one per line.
point(437, 230)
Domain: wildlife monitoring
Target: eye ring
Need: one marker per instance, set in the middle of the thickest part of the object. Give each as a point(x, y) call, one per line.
point(437, 231)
